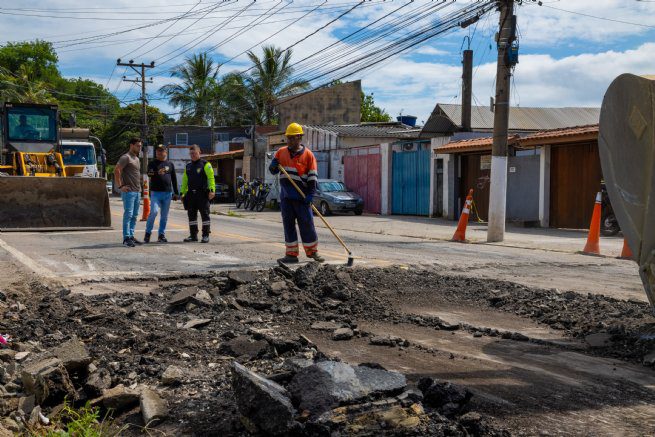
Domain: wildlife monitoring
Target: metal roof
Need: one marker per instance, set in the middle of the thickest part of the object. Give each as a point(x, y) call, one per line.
point(447, 118)
point(385, 130)
point(567, 135)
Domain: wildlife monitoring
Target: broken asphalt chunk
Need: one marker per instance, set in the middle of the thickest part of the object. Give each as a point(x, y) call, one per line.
point(153, 408)
point(73, 355)
point(448, 398)
point(264, 404)
point(327, 384)
point(48, 381)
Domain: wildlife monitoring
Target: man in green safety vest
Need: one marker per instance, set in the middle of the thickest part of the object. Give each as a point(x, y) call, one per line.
point(198, 189)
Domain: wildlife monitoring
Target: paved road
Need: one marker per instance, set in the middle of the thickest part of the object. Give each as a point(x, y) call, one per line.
point(251, 242)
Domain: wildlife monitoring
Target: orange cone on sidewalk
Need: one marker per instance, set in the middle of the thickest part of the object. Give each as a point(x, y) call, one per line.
point(146, 199)
point(460, 233)
point(593, 240)
point(626, 253)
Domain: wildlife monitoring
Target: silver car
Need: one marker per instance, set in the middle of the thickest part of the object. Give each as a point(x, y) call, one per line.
point(333, 196)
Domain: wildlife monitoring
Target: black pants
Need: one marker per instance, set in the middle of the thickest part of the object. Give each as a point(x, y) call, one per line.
point(198, 201)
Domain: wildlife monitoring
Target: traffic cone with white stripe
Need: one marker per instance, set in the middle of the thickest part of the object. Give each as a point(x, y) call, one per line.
point(593, 239)
point(460, 233)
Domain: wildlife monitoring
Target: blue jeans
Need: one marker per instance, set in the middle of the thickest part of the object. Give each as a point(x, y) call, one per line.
point(159, 200)
point(130, 212)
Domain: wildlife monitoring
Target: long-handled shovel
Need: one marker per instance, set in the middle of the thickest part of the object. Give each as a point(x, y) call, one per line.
point(351, 259)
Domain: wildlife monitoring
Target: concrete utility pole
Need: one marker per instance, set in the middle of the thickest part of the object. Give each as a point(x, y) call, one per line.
point(467, 89)
point(498, 194)
point(140, 69)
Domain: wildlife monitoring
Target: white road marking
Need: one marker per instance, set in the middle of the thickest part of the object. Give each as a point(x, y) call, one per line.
point(27, 261)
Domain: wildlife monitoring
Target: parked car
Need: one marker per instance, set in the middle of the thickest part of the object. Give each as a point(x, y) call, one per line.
point(334, 196)
point(222, 193)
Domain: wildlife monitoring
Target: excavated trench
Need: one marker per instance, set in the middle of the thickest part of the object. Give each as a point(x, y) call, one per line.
point(535, 361)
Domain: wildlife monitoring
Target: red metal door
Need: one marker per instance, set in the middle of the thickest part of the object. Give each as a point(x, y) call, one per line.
point(363, 175)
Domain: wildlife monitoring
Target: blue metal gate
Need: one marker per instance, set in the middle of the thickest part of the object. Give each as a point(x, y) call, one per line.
point(411, 183)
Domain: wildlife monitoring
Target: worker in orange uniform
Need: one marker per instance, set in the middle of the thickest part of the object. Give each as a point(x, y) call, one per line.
point(301, 165)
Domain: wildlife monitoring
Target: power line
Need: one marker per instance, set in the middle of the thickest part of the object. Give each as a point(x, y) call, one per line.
point(613, 20)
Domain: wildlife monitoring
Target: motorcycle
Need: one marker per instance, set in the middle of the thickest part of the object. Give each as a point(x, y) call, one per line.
point(250, 194)
point(240, 196)
point(261, 194)
point(609, 225)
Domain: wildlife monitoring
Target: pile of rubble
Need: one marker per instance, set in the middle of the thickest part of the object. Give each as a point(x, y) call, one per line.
point(221, 354)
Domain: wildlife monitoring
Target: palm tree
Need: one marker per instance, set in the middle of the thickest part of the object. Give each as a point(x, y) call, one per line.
point(198, 92)
point(271, 80)
point(19, 88)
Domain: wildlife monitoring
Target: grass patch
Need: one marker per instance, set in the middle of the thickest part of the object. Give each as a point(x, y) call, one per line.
point(83, 422)
point(232, 213)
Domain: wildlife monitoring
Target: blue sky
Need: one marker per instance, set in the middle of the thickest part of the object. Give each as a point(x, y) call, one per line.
point(568, 55)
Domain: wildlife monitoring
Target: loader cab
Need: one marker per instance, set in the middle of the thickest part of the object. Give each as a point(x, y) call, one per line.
point(29, 140)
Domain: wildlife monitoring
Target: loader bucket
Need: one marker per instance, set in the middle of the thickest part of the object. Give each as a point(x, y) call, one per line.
point(627, 155)
point(50, 203)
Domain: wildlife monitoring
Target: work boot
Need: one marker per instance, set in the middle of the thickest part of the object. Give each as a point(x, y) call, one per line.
point(316, 257)
point(127, 241)
point(191, 239)
point(205, 239)
point(162, 239)
point(288, 259)
point(135, 241)
point(146, 237)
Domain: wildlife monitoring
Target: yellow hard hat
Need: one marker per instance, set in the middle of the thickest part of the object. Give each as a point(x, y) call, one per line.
point(294, 129)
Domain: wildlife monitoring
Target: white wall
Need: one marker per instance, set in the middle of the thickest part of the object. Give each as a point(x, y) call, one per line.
point(544, 187)
point(434, 144)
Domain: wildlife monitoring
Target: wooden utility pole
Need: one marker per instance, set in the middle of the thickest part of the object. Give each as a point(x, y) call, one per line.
point(140, 69)
point(498, 192)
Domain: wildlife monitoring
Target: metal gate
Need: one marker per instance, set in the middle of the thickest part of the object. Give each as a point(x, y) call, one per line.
point(363, 176)
point(411, 183)
point(323, 163)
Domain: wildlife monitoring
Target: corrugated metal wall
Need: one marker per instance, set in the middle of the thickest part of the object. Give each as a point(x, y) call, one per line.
point(411, 183)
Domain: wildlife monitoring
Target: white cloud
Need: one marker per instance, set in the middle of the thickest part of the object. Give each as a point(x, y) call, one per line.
point(540, 80)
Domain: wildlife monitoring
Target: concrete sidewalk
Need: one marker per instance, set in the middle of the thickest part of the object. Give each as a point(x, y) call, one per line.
point(556, 240)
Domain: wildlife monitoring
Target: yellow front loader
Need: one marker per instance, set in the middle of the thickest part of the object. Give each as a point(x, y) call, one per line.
point(36, 192)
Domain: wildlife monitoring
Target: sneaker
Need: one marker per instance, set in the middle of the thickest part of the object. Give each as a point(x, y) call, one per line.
point(288, 259)
point(127, 241)
point(190, 239)
point(146, 237)
point(205, 239)
point(135, 241)
point(316, 257)
point(162, 239)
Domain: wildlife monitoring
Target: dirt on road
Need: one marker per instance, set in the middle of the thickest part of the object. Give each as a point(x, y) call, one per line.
point(480, 357)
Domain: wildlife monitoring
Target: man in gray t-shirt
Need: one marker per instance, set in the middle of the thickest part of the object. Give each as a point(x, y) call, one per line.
point(127, 177)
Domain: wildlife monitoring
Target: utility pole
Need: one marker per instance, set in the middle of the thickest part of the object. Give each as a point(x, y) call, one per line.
point(498, 192)
point(467, 89)
point(140, 69)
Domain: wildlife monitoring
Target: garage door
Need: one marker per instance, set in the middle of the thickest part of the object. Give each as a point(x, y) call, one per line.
point(411, 183)
point(575, 177)
point(363, 176)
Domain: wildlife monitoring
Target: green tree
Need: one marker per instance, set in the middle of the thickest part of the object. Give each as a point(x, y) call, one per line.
point(38, 59)
point(372, 113)
point(198, 92)
point(270, 80)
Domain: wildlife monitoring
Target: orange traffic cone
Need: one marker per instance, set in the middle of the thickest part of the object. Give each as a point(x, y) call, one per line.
point(146, 200)
point(593, 240)
point(626, 253)
point(460, 233)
